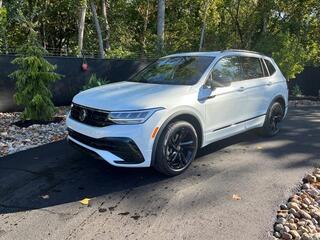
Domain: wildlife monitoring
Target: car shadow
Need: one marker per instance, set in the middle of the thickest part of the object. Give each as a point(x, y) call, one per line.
point(67, 175)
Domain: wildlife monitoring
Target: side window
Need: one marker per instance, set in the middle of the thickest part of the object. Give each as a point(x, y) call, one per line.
point(270, 66)
point(251, 68)
point(228, 69)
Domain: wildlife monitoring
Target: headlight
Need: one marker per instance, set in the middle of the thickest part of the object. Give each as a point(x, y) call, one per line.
point(132, 117)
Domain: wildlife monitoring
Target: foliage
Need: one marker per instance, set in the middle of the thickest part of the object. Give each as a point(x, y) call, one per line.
point(285, 30)
point(3, 24)
point(119, 53)
point(296, 91)
point(94, 81)
point(33, 77)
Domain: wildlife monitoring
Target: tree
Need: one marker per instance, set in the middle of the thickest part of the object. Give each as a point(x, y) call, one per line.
point(82, 19)
point(161, 23)
point(153, 28)
point(3, 24)
point(98, 28)
point(204, 23)
point(33, 78)
point(105, 6)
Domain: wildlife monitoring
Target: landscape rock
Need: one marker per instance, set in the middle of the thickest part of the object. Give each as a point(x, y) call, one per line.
point(304, 214)
point(287, 236)
point(310, 178)
point(277, 234)
point(281, 220)
point(278, 227)
point(294, 206)
point(295, 235)
point(14, 138)
point(301, 220)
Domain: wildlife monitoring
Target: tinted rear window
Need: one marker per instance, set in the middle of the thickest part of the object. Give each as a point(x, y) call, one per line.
point(270, 66)
point(251, 68)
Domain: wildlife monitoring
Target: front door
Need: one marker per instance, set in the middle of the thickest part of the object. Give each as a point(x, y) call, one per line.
point(224, 108)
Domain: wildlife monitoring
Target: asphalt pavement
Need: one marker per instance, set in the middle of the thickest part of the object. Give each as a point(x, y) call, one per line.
point(40, 190)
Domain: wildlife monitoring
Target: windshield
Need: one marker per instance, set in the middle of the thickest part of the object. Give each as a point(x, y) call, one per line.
point(186, 70)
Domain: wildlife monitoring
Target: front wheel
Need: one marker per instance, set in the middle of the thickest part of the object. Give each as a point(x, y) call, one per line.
point(274, 116)
point(176, 149)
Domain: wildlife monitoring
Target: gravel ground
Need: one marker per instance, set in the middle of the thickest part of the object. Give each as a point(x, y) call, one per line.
point(302, 103)
point(300, 217)
point(14, 138)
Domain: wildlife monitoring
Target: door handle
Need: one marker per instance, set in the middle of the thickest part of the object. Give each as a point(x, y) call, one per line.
point(207, 98)
point(269, 83)
point(241, 89)
point(211, 96)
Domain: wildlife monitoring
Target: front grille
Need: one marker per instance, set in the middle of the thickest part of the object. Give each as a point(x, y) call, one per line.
point(125, 148)
point(92, 117)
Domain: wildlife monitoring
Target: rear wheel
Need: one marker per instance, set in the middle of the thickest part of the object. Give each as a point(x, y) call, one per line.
point(273, 118)
point(176, 149)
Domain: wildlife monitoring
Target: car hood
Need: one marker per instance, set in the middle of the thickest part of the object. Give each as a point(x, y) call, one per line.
point(131, 96)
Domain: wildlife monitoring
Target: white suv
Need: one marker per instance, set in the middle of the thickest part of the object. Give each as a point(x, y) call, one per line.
point(164, 113)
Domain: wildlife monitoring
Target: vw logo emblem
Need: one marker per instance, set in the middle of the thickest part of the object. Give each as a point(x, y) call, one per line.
point(82, 115)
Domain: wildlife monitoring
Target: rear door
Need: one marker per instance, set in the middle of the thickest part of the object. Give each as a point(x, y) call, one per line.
point(257, 86)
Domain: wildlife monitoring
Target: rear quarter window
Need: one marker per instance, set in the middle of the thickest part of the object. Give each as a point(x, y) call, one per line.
point(270, 67)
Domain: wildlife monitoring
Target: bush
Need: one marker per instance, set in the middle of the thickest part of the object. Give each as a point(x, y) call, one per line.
point(296, 91)
point(33, 77)
point(94, 81)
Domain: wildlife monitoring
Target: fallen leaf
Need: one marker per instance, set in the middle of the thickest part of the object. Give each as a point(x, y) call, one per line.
point(85, 201)
point(236, 197)
point(45, 196)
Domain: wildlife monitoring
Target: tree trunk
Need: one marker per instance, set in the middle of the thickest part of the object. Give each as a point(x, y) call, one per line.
point(144, 30)
point(98, 29)
point(204, 23)
point(83, 10)
point(0, 3)
point(160, 23)
point(107, 27)
point(203, 29)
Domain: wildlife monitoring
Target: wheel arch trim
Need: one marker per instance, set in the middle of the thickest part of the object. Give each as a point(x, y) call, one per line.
point(176, 115)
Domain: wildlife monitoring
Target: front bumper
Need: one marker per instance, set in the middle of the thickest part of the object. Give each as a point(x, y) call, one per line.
point(119, 145)
point(124, 148)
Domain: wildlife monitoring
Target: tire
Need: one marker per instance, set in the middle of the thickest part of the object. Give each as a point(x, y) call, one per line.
point(273, 117)
point(176, 148)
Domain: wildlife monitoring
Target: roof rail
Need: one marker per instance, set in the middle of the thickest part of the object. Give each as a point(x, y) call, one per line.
point(242, 50)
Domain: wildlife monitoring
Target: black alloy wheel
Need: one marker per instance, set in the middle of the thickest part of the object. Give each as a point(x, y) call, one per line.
point(177, 148)
point(276, 116)
point(273, 119)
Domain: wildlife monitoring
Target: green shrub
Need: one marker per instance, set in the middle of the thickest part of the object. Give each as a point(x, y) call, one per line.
point(296, 91)
point(33, 78)
point(94, 81)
